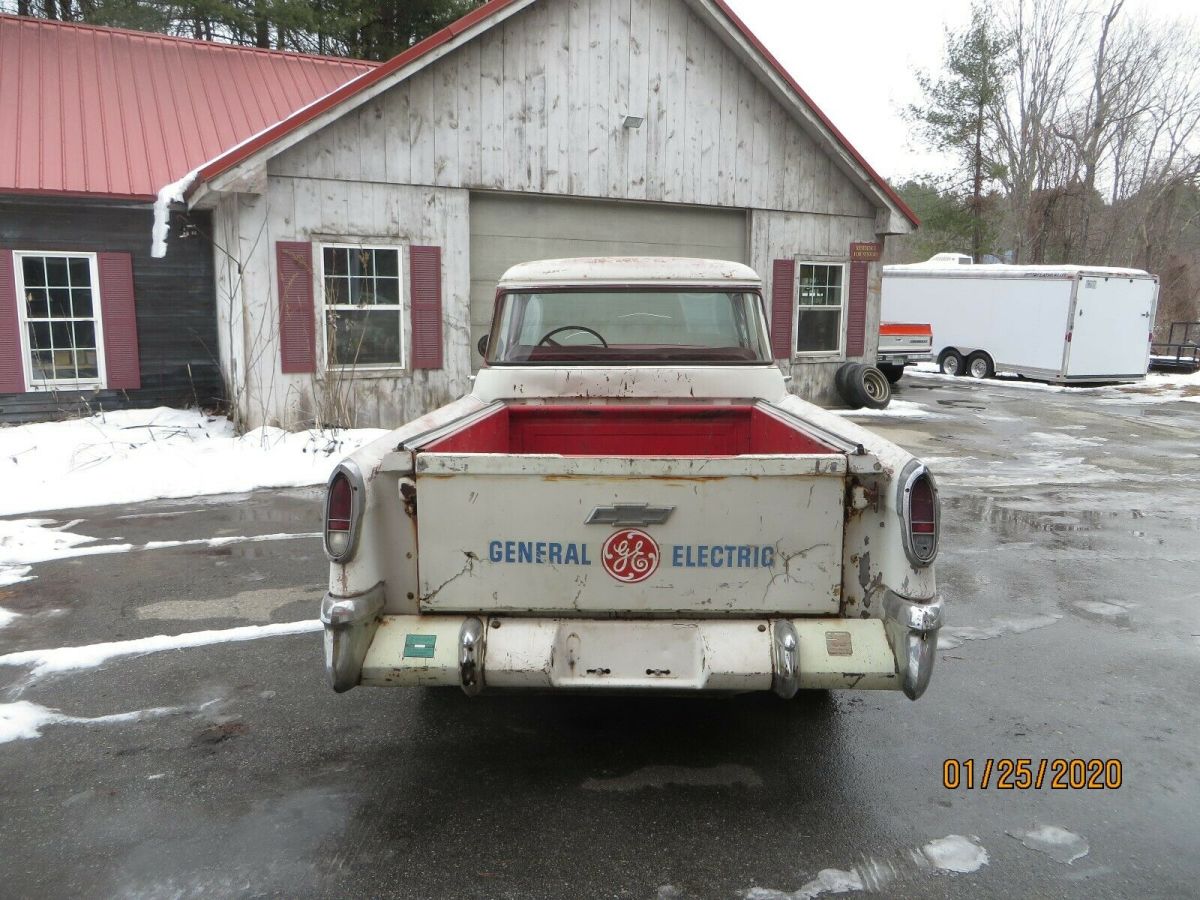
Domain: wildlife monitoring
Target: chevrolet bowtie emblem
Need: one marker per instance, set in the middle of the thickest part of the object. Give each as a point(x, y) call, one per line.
point(629, 514)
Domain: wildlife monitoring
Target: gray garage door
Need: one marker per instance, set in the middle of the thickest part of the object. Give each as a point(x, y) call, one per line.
point(506, 230)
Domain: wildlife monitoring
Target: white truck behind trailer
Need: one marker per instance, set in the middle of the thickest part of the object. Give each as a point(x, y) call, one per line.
point(1062, 324)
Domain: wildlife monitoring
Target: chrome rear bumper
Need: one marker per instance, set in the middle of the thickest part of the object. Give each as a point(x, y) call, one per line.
point(362, 646)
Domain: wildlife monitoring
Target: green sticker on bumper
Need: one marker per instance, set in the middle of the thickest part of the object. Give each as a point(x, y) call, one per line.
point(419, 646)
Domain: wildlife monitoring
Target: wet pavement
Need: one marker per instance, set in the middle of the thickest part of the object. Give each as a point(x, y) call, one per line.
point(1071, 570)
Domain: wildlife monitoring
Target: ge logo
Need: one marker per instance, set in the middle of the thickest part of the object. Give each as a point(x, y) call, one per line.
point(630, 555)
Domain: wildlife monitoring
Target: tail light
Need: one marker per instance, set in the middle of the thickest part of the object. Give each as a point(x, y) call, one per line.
point(921, 513)
point(343, 511)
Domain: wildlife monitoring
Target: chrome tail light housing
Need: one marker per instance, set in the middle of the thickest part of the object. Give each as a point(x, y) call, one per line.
point(921, 514)
point(344, 500)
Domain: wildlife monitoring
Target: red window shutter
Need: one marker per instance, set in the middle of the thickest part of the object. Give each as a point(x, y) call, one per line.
point(783, 305)
point(12, 367)
point(123, 371)
point(297, 317)
point(856, 314)
point(425, 278)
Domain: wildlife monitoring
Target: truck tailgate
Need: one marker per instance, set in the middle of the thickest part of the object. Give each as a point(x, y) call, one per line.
point(709, 536)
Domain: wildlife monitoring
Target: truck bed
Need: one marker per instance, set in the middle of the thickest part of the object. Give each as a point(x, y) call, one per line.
point(630, 431)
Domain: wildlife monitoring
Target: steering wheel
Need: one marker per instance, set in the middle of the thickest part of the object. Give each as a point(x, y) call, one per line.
point(547, 338)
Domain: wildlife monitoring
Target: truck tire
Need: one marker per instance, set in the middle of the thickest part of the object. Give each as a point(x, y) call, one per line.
point(980, 365)
point(867, 386)
point(839, 379)
point(951, 362)
point(890, 372)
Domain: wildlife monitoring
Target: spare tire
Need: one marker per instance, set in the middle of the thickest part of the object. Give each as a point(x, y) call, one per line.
point(839, 379)
point(890, 372)
point(867, 386)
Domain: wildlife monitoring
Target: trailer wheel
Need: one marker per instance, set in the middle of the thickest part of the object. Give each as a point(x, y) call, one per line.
point(951, 362)
point(867, 386)
point(980, 365)
point(890, 372)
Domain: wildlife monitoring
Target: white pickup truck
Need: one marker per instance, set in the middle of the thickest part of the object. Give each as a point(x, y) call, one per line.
point(630, 499)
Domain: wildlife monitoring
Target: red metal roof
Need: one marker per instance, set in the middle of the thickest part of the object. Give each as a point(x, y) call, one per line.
point(238, 154)
point(103, 111)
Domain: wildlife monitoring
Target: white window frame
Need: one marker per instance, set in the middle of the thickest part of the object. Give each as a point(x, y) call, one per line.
point(365, 369)
point(58, 384)
point(840, 351)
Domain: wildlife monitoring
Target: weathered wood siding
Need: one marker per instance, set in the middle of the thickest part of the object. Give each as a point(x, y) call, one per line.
point(173, 297)
point(532, 106)
point(537, 104)
point(813, 238)
point(346, 212)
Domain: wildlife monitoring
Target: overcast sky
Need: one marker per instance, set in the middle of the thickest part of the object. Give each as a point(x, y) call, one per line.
point(856, 59)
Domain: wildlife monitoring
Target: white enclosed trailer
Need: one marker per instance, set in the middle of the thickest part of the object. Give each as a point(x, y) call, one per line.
point(1057, 323)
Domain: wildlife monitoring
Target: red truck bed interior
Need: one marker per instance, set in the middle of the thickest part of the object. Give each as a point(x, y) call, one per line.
point(630, 431)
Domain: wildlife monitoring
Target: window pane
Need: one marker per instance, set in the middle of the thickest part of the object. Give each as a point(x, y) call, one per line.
point(81, 272)
point(60, 335)
point(60, 303)
point(335, 261)
point(387, 290)
point(33, 269)
point(818, 329)
point(361, 291)
point(88, 365)
point(81, 303)
point(36, 303)
point(43, 365)
point(336, 291)
point(387, 262)
point(39, 335)
point(85, 335)
point(56, 271)
point(363, 337)
point(360, 262)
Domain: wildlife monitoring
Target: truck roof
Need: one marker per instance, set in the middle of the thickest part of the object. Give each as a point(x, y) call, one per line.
point(1003, 270)
point(630, 270)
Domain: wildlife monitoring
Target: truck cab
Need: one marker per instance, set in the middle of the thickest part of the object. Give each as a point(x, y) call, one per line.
point(629, 499)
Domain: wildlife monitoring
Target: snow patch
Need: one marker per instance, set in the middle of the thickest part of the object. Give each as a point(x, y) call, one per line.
point(167, 194)
point(23, 720)
point(66, 659)
point(897, 409)
point(1056, 842)
point(7, 616)
point(955, 853)
point(27, 541)
point(951, 637)
point(828, 881)
point(129, 456)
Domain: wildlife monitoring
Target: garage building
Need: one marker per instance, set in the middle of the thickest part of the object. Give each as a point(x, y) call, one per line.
point(358, 242)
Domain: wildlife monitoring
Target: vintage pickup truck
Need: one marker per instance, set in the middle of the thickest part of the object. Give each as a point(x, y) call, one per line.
point(629, 499)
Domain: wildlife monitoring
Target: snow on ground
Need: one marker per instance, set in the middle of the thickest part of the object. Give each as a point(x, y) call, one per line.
point(129, 456)
point(897, 409)
point(24, 720)
point(66, 659)
point(1056, 842)
point(954, 854)
point(953, 636)
point(1157, 387)
point(24, 542)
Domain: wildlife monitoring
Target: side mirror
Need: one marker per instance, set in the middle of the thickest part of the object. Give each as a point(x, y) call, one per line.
point(482, 346)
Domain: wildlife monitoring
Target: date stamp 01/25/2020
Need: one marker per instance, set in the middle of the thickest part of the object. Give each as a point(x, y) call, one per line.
point(1028, 774)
